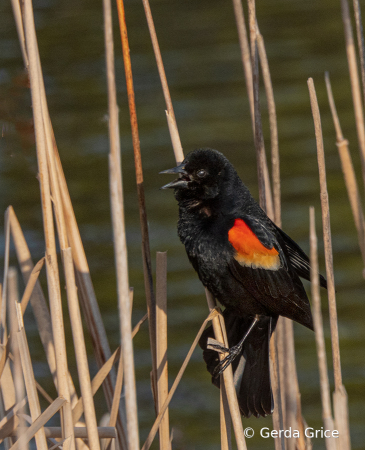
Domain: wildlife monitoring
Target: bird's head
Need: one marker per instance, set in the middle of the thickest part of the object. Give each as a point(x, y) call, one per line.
point(203, 174)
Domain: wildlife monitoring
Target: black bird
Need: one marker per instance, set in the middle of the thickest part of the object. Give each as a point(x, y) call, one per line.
point(248, 263)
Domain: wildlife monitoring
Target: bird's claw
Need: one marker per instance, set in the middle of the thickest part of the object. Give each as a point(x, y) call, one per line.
point(233, 352)
point(219, 348)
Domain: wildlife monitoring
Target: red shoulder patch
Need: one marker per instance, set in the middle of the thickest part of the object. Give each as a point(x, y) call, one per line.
point(250, 251)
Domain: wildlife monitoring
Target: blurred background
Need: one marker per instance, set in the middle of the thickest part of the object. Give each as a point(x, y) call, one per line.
point(202, 60)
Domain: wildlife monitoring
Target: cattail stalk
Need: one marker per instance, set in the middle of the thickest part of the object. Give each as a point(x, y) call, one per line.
point(33, 400)
point(355, 82)
point(348, 171)
point(319, 333)
point(326, 235)
point(146, 255)
point(245, 55)
point(12, 300)
point(171, 121)
point(340, 395)
point(360, 42)
point(3, 330)
point(161, 346)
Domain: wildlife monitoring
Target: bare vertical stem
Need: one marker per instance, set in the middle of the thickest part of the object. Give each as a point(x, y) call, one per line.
point(225, 419)
point(124, 303)
point(33, 400)
point(360, 41)
point(175, 138)
point(275, 160)
point(80, 350)
point(259, 139)
point(326, 236)
point(161, 346)
point(146, 255)
point(7, 393)
point(13, 298)
point(282, 361)
point(20, 30)
point(51, 258)
point(116, 401)
point(341, 409)
point(245, 55)
point(275, 380)
point(3, 332)
point(318, 328)
point(348, 172)
point(250, 80)
point(290, 387)
point(355, 83)
point(120, 244)
point(119, 384)
point(340, 396)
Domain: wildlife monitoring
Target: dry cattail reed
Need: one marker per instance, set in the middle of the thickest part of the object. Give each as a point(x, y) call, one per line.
point(319, 332)
point(146, 255)
point(171, 121)
point(348, 171)
point(32, 394)
point(340, 396)
point(51, 258)
point(355, 82)
point(126, 363)
point(161, 346)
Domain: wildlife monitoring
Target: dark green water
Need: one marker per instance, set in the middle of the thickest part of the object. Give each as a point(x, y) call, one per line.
point(202, 61)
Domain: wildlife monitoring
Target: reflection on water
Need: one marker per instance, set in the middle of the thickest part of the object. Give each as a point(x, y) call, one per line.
point(202, 60)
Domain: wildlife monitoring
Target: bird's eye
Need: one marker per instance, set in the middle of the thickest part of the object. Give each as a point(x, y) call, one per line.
point(201, 173)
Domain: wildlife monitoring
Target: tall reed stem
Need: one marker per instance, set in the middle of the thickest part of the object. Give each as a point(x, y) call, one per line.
point(326, 235)
point(146, 255)
point(51, 257)
point(174, 133)
point(340, 395)
point(355, 83)
point(161, 346)
point(319, 333)
point(348, 171)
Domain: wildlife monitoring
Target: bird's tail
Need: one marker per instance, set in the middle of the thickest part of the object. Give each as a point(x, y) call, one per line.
point(251, 369)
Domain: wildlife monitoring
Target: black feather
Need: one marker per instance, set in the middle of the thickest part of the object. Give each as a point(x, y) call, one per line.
point(298, 259)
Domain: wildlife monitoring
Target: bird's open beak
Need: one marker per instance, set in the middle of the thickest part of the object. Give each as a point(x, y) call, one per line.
point(182, 181)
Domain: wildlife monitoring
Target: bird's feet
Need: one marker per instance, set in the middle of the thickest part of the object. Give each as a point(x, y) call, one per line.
point(213, 344)
point(233, 352)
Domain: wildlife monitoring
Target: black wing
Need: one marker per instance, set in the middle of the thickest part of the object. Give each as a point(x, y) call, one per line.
point(279, 291)
point(298, 259)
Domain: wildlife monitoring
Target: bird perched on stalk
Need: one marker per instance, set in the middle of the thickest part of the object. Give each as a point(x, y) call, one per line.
point(248, 263)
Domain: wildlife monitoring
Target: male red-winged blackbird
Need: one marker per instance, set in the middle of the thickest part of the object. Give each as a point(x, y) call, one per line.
point(249, 264)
